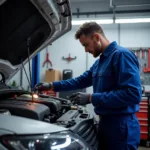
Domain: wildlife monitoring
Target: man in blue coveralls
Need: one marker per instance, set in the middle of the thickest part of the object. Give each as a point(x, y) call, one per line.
point(117, 89)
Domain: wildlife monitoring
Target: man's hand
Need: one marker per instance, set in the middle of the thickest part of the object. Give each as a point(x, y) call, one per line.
point(80, 98)
point(42, 86)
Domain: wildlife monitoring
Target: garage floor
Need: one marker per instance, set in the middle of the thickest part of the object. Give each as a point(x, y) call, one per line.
point(143, 148)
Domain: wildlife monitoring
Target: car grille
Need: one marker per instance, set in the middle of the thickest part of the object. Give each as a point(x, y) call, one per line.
point(89, 134)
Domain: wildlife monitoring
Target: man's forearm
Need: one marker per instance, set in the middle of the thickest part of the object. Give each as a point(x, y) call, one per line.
point(80, 82)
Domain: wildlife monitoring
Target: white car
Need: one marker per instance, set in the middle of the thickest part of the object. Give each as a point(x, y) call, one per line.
point(48, 123)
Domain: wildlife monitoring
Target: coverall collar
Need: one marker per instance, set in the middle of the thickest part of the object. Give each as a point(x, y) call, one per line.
point(110, 48)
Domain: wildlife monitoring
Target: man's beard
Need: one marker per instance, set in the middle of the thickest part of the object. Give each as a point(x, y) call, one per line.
point(97, 52)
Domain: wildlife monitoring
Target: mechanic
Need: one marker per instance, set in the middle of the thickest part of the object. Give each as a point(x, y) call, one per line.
point(117, 89)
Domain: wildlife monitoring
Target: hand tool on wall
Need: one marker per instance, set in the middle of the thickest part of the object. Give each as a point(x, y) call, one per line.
point(47, 61)
point(142, 79)
point(143, 54)
point(137, 53)
point(147, 69)
point(141, 68)
point(69, 58)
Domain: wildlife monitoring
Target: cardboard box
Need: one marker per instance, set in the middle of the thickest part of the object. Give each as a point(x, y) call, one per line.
point(52, 75)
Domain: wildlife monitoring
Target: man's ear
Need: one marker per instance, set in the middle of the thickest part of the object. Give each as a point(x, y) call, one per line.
point(97, 36)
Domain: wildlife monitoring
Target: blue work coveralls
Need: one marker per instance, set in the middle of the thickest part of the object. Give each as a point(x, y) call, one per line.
point(117, 92)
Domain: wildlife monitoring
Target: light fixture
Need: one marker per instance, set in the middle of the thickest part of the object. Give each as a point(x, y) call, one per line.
point(62, 146)
point(134, 20)
point(53, 141)
point(110, 21)
point(79, 22)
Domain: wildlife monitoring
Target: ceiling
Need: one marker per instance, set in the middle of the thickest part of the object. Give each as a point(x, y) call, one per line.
point(75, 1)
point(117, 2)
point(98, 7)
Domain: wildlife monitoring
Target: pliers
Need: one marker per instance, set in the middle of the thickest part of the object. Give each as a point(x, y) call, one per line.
point(47, 61)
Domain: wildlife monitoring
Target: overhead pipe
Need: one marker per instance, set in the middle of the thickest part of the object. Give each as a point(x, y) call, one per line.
point(114, 13)
point(108, 12)
point(111, 4)
point(136, 5)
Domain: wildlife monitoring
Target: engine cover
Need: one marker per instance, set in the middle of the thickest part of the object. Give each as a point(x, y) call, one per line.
point(25, 109)
point(53, 104)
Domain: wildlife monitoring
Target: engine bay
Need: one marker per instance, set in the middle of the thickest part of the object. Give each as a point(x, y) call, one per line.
point(58, 111)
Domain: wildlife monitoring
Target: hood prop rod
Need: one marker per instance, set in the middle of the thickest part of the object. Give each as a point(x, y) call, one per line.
point(30, 83)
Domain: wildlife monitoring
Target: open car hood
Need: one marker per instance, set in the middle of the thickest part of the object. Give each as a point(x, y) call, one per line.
point(32, 24)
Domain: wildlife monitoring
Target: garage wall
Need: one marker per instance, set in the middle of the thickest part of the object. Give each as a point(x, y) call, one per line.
point(129, 35)
point(135, 35)
point(62, 47)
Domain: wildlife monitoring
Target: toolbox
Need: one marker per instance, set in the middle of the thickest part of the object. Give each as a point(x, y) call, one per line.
point(144, 119)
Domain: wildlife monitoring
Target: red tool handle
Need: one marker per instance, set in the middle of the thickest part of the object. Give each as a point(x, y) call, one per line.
point(137, 53)
point(47, 61)
point(145, 69)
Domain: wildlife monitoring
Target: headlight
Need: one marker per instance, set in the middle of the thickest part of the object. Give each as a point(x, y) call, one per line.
point(57, 141)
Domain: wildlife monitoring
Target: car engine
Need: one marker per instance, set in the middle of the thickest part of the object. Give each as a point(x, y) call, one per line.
point(52, 110)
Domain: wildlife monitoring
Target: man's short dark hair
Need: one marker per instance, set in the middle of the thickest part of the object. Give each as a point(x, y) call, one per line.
point(89, 28)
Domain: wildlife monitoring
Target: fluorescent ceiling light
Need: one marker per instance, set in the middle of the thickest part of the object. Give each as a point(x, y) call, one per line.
point(110, 21)
point(134, 20)
point(80, 22)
